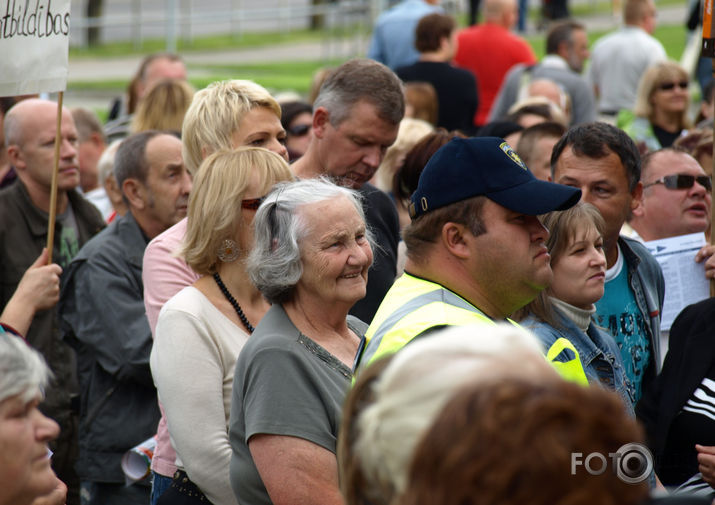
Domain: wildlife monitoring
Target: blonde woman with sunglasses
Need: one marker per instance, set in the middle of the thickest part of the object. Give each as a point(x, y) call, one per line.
point(660, 115)
point(203, 328)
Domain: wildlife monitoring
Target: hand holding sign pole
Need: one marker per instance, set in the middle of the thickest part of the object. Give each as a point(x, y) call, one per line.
point(34, 43)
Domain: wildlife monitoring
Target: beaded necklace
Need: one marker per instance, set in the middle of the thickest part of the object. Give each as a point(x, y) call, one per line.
point(233, 302)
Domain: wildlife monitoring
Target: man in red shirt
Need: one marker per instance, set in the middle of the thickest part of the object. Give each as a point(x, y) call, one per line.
point(490, 50)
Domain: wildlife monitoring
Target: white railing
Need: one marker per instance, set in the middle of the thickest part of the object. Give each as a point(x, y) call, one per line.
point(173, 20)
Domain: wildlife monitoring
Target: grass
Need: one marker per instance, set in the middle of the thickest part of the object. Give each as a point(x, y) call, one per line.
point(212, 43)
point(281, 76)
point(275, 76)
point(673, 38)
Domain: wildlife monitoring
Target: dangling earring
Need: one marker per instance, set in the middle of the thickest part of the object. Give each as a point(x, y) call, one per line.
point(227, 251)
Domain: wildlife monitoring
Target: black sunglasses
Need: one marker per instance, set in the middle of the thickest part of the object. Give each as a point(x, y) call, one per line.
point(299, 130)
point(682, 181)
point(253, 203)
point(667, 86)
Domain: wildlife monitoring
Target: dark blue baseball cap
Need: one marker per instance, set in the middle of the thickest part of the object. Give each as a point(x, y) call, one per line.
point(486, 166)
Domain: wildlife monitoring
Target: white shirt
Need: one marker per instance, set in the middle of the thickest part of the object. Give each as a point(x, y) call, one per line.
point(618, 61)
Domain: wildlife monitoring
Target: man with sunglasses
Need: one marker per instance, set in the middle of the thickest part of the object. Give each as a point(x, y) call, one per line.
point(103, 317)
point(676, 196)
point(604, 163)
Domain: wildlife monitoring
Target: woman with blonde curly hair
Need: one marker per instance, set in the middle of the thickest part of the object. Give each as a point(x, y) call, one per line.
point(661, 111)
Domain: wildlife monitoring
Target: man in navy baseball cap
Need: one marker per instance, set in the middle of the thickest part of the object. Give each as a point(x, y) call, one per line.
point(475, 250)
point(486, 166)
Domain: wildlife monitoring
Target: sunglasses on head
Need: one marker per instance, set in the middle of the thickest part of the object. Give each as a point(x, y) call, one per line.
point(667, 86)
point(253, 203)
point(299, 130)
point(682, 181)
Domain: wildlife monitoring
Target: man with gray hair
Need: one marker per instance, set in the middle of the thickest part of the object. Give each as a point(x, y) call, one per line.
point(103, 316)
point(355, 119)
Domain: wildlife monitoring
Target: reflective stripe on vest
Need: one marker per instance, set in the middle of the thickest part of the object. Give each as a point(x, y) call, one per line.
point(572, 369)
point(428, 305)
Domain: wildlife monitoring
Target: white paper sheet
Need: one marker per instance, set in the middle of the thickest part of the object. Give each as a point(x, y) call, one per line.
point(685, 281)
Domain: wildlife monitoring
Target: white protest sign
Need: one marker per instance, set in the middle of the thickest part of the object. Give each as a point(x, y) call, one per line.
point(34, 42)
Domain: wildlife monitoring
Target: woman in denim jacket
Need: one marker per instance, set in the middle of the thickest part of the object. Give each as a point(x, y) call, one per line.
point(565, 309)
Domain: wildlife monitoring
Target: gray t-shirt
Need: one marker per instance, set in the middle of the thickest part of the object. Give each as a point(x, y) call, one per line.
point(284, 384)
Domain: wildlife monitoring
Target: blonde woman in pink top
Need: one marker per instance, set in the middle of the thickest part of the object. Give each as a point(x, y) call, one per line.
point(224, 115)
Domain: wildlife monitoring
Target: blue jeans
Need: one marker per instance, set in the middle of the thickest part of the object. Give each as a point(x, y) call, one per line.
point(523, 15)
point(159, 484)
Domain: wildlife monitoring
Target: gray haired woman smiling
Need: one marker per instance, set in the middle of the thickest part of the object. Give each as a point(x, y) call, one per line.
point(25, 473)
point(310, 260)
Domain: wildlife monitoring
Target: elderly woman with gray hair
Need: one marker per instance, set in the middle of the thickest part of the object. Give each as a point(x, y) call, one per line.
point(392, 404)
point(310, 259)
point(26, 477)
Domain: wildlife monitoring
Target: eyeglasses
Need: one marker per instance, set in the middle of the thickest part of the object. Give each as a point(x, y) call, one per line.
point(682, 181)
point(299, 130)
point(667, 86)
point(253, 203)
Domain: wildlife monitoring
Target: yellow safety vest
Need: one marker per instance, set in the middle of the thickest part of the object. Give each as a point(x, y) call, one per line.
point(414, 305)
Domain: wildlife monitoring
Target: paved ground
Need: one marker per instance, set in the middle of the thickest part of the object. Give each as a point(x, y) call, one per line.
point(123, 68)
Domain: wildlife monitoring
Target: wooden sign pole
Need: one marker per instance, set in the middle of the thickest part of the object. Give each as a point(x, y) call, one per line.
point(55, 174)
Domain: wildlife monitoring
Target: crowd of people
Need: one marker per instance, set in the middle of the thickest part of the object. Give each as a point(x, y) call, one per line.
point(426, 284)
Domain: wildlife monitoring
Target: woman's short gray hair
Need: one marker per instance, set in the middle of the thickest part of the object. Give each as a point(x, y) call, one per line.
point(23, 370)
point(418, 382)
point(274, 263)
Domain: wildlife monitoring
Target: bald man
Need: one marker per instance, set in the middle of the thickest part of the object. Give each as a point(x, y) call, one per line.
point(30, 136)
point(478, 45)
point(676, 196)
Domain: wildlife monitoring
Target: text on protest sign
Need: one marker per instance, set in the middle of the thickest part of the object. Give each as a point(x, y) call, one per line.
point(34, 42)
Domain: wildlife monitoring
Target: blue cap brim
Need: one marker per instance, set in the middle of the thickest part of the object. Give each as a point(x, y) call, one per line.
point(536, 197)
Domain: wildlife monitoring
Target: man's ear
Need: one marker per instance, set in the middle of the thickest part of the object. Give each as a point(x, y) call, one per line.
point(97, 140)
point(135, 192)
point(453, 239)
point(444, 43)
point(321, 119)
point(15, 157)
point(637, 211)
point(563, 50)
point(637, 196)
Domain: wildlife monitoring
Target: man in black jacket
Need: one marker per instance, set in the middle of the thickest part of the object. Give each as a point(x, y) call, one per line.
point(30, 130)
